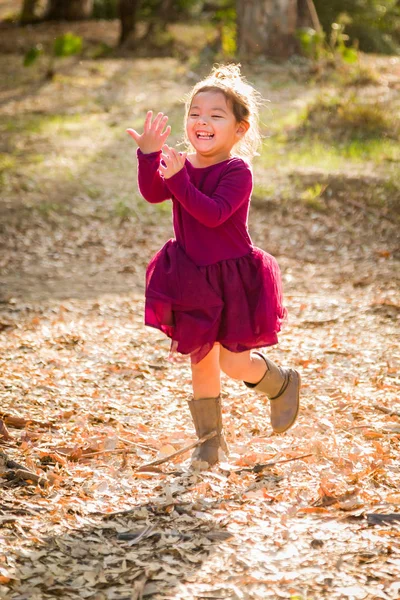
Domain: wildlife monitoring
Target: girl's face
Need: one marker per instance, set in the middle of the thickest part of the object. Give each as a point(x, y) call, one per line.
point(211, 127)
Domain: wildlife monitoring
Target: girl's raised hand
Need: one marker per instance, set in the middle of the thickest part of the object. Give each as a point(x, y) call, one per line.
point(154, 135)
point(174, 161)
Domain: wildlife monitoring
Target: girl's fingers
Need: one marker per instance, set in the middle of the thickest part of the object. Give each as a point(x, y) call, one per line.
point(166, 158)
point(147, 121)
point(134, 134)
point(182, 157)
point(172, 161)
point(172, 153)
point(169, 154)
point(162, 123)
point(156, 122)
point(166, 133)
point(176, 156)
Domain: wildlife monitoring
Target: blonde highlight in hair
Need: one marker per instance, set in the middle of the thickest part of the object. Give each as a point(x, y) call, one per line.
point(244, 100)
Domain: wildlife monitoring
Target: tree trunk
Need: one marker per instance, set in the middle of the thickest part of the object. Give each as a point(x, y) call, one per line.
point(127, 10)
point(307, 15)
point(268, 27)
point(69, 10)
point(28, 12)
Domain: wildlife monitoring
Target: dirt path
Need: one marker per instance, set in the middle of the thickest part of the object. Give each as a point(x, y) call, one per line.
point(78, 365)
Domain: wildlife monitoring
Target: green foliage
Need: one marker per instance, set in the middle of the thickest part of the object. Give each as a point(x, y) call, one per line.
point(345, 118)
point(67, 45)
point(312, 42)
point(47, 208)
point(176, 10)
point(6, 161)
point(338, 41)
point(373, 24)
point(361, 75)
point(225, 20)
point(311, 197)
point(105, 9)
point(32, 55)
point(316, 46)
point(123, 210)
point(149, 9)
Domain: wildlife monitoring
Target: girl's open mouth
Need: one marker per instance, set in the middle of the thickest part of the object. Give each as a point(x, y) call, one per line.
point(204, 136)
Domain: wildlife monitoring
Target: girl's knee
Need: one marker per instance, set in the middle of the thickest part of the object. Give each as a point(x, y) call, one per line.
point(232, 364)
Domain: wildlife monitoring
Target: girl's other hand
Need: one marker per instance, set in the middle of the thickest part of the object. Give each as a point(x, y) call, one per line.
point(174, 161)
point(154, 135)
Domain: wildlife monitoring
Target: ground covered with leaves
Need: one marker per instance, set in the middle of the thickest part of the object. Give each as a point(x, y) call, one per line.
point(91, 409)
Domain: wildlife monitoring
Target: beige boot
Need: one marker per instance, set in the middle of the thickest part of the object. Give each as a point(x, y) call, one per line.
point(207, 417)
point(282, 386)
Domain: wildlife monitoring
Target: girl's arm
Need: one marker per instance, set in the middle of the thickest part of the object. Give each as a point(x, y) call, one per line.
point(233, 189)
point(151, 183)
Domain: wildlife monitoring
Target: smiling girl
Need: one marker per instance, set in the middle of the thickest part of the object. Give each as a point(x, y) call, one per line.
point(210, 290)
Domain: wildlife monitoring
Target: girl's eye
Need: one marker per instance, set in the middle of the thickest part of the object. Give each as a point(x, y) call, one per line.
point(193, 115)
point(216, 116)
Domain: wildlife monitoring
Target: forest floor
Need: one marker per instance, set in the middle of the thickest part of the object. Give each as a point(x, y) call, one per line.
point(88, 397)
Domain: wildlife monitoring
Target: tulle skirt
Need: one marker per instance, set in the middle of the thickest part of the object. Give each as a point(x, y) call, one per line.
point(236, 302)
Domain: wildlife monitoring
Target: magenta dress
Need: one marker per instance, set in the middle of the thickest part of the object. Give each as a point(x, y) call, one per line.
point(210, 284)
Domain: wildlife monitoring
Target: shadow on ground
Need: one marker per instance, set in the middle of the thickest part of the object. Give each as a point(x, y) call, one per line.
point(149, 550)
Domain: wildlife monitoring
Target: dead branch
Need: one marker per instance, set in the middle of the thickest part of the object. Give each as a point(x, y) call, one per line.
point(29, 476)
point(314, 16)
point(387, 411)
point(20, 472)
point(8, 463)
point(160, 461)
point(260, 467)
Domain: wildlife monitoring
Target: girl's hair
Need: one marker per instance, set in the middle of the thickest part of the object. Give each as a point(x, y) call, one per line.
point(244, 101)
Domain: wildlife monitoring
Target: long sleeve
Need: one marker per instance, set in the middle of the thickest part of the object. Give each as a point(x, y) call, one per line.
point(151, 183)
point(232, 190)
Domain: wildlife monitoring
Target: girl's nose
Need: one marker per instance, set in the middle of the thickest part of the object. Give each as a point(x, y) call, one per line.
point(201, 120)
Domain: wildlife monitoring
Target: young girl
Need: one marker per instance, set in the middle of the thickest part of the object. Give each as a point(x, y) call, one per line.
point(210, 290)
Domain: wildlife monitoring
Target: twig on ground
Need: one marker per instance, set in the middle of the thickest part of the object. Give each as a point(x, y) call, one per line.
point(138, 444)
point(20, 471)
point(159, 461)
point(388, 411)
point(8, 463)
point(260, 467)
point(29, 476)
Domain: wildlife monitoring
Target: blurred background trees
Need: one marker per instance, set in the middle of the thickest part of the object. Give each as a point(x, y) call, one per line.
point(251, 27)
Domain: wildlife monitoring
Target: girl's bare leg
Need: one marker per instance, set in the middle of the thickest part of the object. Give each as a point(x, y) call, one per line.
point(242, 365)
point(281, 386)
point(206, 375)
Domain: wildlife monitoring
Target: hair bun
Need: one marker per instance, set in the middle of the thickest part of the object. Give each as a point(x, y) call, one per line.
point(226, 71)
